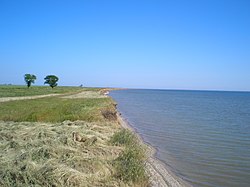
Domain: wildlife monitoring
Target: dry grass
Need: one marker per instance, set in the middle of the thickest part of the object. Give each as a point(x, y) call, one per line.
point(45, 154)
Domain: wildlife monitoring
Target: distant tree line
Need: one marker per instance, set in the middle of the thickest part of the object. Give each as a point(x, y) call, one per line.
point(51, 80)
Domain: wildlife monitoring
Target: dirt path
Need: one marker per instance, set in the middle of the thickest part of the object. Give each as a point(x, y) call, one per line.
point(84, 94)
point(5, 99)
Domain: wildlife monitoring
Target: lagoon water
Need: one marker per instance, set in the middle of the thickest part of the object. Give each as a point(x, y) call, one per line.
point(203, 136)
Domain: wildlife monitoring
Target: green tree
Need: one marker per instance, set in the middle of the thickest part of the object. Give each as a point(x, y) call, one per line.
point(29, 79)
point(51, 80)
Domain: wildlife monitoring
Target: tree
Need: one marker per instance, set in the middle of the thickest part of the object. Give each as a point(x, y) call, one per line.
point(29, 79)
point(51, 80)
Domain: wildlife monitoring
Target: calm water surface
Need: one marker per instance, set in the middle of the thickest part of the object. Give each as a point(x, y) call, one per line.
point(203, 136)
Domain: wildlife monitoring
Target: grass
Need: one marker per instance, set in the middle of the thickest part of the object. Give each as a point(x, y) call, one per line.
point(16, 91)
point(123, 137)
point(37, 147)
point(130, 165)
point(39, 154)
point(55, 109)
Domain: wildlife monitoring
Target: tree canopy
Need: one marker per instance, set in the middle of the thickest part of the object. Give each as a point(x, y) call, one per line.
point(29, 79)
point(51, 80)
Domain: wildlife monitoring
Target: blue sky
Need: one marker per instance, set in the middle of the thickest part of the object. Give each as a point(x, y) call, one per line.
point(177, 44)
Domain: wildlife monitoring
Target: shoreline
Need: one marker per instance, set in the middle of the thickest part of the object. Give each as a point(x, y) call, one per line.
point(159, 174)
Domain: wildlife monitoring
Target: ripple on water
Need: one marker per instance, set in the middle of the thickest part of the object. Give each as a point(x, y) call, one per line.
point(203, 136)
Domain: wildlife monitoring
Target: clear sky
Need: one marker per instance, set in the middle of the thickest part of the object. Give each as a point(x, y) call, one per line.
point(170, 44)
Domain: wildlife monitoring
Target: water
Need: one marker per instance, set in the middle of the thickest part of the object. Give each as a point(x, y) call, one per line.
point(203, 136)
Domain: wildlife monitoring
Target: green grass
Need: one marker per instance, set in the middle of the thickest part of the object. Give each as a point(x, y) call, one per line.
point(123, 137)
point(16, 91)
point(55, 109)
point(130, 165)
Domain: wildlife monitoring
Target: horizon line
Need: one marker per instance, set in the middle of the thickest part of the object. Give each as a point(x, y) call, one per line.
point(135, 88)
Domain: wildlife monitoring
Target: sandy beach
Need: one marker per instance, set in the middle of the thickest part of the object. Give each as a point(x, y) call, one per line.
point(160, 175)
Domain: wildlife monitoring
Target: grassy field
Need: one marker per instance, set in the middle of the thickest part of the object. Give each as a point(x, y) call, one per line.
point(55, 109)
point(39, 146)
point(16, 91)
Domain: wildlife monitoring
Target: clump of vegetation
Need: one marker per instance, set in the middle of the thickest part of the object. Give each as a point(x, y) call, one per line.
point(130, 165)
point(123, 137)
